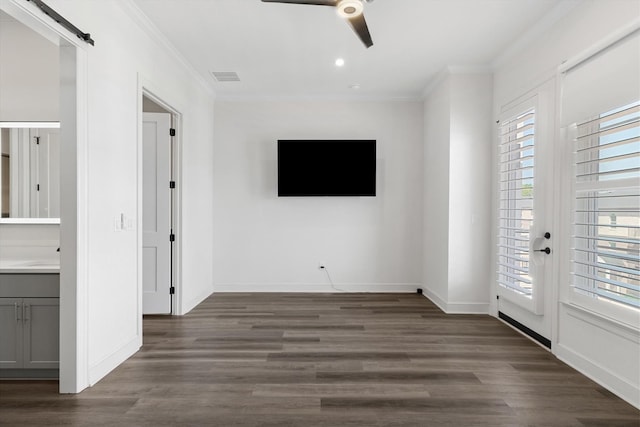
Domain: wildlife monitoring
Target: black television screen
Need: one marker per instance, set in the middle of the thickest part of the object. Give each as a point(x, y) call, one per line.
point(326, 168)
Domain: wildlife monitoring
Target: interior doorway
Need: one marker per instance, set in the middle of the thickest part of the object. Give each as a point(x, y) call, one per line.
point(158, 200)
point(72, 116)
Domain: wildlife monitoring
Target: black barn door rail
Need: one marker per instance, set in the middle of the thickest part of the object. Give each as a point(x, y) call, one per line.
point(60, 20)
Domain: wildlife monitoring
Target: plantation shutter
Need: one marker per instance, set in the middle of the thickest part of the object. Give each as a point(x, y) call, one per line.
point(516, 179)
point(601, 111)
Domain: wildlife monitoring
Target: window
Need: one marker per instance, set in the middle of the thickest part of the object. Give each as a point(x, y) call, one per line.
point(517, 140)
point(606, 223)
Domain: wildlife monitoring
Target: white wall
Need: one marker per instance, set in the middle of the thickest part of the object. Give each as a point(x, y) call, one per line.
point(604, 350)
point(29, 74)
point(458, 192)
point(148, 106)
point(29, 241)
point(266, 243)
point(437, 134)
point(124, 55)
point(470, 165)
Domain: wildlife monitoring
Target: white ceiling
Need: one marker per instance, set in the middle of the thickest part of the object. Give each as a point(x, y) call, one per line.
point(283, 50)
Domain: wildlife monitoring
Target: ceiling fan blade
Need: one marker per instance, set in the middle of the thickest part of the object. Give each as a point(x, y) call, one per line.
point(311, 2)
point(359, 25)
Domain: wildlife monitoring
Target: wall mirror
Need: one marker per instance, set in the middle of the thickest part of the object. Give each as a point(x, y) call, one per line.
point(30, 172)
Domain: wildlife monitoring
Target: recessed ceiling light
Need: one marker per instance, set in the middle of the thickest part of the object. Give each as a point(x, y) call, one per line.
point(354, 86)
point(339, 62)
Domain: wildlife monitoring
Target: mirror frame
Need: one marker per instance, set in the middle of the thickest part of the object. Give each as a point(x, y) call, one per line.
point(22, 125)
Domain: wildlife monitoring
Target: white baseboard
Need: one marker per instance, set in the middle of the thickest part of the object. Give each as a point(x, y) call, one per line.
point(190, 305)
point(457, 307)
point(435, 298)
point(600, 374)
point(109, 363)
point(317, 287)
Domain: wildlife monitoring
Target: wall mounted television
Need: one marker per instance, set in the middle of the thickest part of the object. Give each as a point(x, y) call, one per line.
point(308, 168)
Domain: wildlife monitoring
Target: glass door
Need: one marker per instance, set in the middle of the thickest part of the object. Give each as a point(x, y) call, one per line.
point(524, 241)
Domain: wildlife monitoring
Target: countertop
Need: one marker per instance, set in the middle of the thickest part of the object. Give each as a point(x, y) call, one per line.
point(22, 266)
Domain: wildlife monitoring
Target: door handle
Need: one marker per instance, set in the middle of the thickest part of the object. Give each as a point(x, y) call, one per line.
point(538, 240)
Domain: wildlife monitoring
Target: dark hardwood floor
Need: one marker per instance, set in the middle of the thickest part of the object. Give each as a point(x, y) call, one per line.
point(326, 360)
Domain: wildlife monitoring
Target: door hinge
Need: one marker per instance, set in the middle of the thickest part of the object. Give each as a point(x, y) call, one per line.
point(172, 290)
point(172, 184)
point(172, 132)
point(37, 187)
point(172, 237)
point(37, 138)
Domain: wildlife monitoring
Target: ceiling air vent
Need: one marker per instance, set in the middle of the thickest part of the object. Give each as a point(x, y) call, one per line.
point(225, 76)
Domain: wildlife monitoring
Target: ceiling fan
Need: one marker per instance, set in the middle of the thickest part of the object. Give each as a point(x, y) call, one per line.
point(350, 10)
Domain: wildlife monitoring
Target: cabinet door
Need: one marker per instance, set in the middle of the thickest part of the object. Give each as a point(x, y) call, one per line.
point(11, 332)
point(41, 333)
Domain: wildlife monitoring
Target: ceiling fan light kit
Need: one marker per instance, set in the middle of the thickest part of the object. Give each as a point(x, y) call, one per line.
point(350, 10)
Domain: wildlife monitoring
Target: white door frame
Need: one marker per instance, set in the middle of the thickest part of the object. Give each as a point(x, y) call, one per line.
point(74, 364)
point(540, 317)
point(146, 88)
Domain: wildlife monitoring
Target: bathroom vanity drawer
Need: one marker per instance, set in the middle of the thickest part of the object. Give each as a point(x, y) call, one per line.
point(18, 285)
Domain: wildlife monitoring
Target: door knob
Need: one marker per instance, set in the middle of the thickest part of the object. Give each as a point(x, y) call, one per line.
point(546, 250)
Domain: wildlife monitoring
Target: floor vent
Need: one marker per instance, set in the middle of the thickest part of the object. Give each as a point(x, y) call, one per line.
point(519, 326)
point(225, 76)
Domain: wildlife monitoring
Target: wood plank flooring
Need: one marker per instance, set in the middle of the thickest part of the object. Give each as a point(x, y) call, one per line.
point(326, 360)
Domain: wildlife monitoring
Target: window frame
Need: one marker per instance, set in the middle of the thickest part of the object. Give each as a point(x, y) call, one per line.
point(617, 313)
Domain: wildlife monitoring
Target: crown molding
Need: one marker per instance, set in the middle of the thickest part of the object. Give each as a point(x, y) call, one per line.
point(561, 10)
point(314, 98)
point(453, 70)
point(529, 36)
point(610, 40)
point(440, 77)
point(469, 69)
point(145, 24)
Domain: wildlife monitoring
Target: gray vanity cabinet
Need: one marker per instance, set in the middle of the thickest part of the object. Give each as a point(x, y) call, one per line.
point(29, 325)
point(30, 333)
point(11, 332)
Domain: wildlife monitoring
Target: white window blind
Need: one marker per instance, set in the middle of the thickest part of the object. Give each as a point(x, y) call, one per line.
point(601, 113)
point(516, 186)
point(606, 226)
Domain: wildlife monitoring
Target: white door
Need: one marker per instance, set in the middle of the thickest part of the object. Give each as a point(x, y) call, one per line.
point(525, 187)
point(156, 213)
